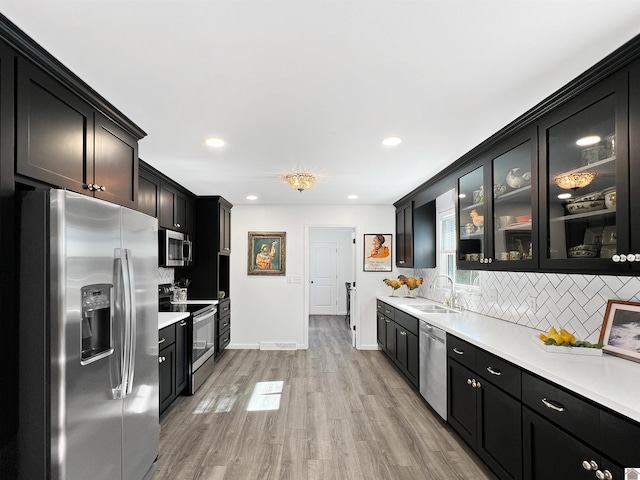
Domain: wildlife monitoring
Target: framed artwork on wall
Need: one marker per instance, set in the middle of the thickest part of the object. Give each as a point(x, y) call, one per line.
point(377, 252)
point(620, 331)
point(267, 253)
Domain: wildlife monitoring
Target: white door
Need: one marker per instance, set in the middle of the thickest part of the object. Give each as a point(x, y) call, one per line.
point(323, 274)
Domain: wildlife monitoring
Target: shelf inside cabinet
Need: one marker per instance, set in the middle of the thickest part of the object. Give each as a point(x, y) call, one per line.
point(516, 226)
point(471, 207)
point(523, 191)
point(576, 216)
point(602, 166)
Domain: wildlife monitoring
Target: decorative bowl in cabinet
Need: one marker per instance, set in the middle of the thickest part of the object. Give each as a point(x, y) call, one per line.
point(517, 178)
point(523, 218)
point(584, 251)
point(610, 199)
point(584, 207)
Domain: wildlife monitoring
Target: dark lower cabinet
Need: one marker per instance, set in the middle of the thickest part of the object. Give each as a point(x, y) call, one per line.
point(552, 454)
point(397, 335)
point(167, 375)
point(173, 361)
point(223, 326)
point(182, 354)
point(485, 416)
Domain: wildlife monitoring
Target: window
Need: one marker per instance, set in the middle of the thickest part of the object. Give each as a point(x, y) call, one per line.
point(447, 258)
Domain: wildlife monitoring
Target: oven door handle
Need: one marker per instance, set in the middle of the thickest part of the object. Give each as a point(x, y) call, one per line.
point(201, 318)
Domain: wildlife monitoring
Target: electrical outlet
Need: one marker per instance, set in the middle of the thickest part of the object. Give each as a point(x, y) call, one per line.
point(533, 303)
point(492, 295)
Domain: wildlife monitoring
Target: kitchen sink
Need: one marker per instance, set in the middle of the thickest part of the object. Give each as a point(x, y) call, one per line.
point(431, 308)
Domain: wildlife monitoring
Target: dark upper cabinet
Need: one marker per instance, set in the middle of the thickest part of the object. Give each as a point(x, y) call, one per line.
point(148, 192)
point(497, 207)
point(115, 163)
point(404, 235)
point(211, 272)
point(63, 141)
point(424, 235)
point(586, 228)
point(54, 131)
point(225, 227)
point(176, 209)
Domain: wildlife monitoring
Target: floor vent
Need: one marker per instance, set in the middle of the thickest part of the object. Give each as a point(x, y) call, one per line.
point(278, 346)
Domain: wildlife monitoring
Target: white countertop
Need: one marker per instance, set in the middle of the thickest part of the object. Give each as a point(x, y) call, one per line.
point(167, 318)
point(610, 381)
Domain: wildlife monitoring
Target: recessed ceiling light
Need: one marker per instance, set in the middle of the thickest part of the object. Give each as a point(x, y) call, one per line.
point(251, 197)
point(392, 141)
point(214, 142)
point(352, 197)
point(586, 141)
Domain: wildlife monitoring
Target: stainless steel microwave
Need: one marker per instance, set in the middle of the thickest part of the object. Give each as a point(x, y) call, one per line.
point(176, 249)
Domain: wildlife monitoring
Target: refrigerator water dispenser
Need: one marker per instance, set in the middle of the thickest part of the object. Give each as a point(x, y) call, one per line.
point(96, 322)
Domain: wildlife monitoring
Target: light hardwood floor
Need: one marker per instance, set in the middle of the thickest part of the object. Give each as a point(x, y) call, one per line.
point(343, 414)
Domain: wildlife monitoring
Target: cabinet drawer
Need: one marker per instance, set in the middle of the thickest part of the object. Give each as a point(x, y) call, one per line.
point(223, 340)
point(406, 321)
point(619, 438)
point(224, 308)
point(387, 310)
point(461, 351)
point(224, 323)
point(167, 336)
point(570, 412)
point(499, 372)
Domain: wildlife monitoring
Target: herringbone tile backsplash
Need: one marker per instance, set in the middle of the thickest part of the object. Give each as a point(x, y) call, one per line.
point(574, 302)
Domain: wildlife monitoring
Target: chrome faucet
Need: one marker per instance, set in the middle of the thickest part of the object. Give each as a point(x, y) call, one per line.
point(453, 297)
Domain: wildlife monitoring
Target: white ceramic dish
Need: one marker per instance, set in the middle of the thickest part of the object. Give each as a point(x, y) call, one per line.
point(584, 207)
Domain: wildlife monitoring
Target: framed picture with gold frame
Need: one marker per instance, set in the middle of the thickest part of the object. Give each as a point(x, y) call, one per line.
point(267, 253)
point(620, 331)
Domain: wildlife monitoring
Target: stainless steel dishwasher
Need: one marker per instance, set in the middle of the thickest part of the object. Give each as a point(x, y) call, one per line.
point(433, 367)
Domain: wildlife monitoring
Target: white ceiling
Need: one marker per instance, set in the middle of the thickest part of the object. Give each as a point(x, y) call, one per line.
point(316, 85)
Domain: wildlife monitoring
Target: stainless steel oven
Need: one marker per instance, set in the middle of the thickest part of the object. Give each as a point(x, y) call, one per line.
point(202, 335)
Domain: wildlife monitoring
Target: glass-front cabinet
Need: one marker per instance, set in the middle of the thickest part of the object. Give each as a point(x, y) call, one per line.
point(584, 179)
point(496, 219)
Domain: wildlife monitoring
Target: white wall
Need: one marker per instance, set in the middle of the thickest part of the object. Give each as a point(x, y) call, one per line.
point(267, 308)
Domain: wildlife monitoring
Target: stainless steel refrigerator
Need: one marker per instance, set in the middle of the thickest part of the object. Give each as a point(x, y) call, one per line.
point(88, 339)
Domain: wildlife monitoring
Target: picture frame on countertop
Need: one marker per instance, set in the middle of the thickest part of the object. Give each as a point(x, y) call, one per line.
point(620, 332)
point(377, 252)
point(267, 253)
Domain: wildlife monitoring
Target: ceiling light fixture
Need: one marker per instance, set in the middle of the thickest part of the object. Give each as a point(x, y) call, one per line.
point(252, 197)
point(574, 181)
point(352, 197)
point(300, 181)
point(214, 142)
point(392, 141)
point(589, 140)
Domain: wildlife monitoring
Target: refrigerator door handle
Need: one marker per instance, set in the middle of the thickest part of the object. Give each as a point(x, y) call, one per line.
point(133, 330)
point(124, 317)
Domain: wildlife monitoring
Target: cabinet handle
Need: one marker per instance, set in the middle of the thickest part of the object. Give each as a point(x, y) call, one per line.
point(459, 352)
point(589, 465)
point(606, 475)
point(225, 324)
point(401, 261)
point(553, 406)
point(631, 257)
point(161, 341)
point(101, 188)
point(89, 186)
point(494, 372)
point(183, 323)
point(403, 333)
point(387, 321)
point(469, 381)
point(227, 249)
point(177, 225)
